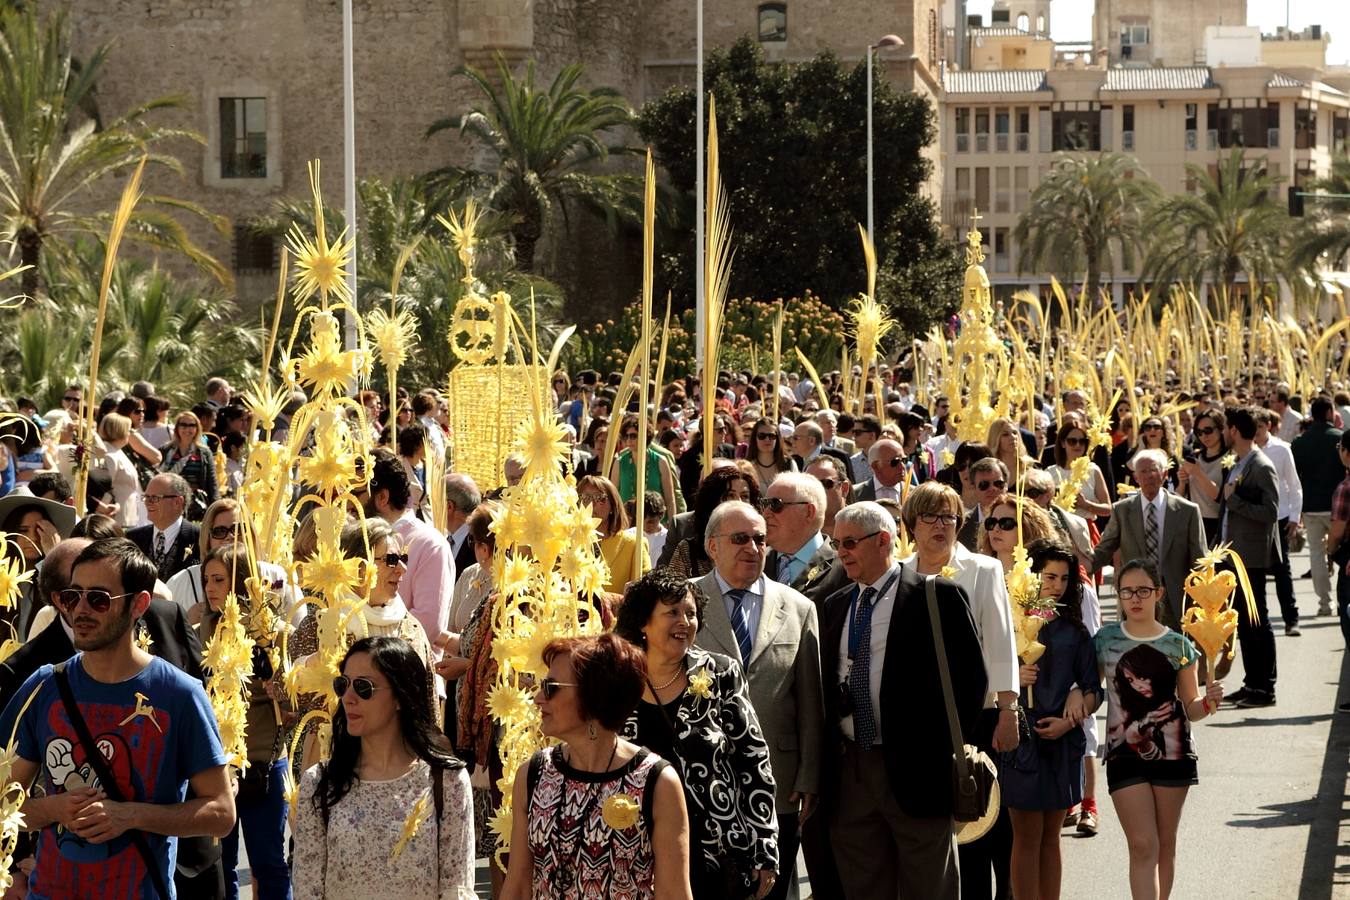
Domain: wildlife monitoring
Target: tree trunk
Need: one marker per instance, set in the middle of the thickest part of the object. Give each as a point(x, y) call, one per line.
point(526, 234)
point(30, 252)
point(1093, 287)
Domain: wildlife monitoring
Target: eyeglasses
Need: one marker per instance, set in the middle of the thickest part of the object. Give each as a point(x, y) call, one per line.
point(1005, 523)
point(70, 399)
point(1206, 431)
point(741, 538)
point(393, 559)
point(1143, 593)
point(593, 499)
point(156, 498)
point(766, 435)
point(939, 519)
point(986, 485)
point(98, 599)
point(1075, 441)
point(629, 435)
point(776, 504)
point(548, 688)
point(364, 687)
point(851, 543)
point(221, 532)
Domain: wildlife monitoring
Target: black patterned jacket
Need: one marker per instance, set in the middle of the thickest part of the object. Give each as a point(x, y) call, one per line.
point(724, 764)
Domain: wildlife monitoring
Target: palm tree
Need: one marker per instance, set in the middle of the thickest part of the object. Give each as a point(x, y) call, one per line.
point(52, 152)
point(543, 142)
point(1083, 208)
point(1229, 225)
point(1324, 237)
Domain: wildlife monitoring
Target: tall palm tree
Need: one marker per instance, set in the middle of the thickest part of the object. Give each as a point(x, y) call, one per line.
point(1230, 225)
point(52, 153)
point(543, 142)
point(1324, 236)
point(1083, 209)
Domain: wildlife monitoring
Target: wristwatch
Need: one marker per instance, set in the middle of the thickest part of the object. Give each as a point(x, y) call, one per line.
point(1013, 706)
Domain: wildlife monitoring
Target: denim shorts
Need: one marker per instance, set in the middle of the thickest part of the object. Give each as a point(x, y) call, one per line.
point(1125, 771)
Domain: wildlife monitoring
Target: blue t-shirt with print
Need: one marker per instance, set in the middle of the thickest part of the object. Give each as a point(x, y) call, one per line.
point(1145, 719)
point(156, 730)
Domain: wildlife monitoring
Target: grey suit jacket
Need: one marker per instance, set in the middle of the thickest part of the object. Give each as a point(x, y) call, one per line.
point(1253, 513)
point(1183, 542)
point(785, 681)
point(823, 575)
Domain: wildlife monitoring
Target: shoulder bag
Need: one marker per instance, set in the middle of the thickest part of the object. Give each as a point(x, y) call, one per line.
point(974, 775)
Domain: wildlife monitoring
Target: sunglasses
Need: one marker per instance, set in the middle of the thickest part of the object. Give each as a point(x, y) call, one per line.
point(70, 399)
point(140, 410)
point(986, 485)
point(1075, 442)
point(827, 483)
point(593, 499)
point(186, 425)
point(851, 543)
point(364, 687)
point(221, 532)
point(895, 463)
point(98, 599)
point(1206, 432)
point(1143, 593)
point(939, 519)
point(741, 538)
point(1004, 523)
point(629, 435)
point(393, 559)
point(766, 436)
point(548, 688)
point(777, 504)
point(1152, 426)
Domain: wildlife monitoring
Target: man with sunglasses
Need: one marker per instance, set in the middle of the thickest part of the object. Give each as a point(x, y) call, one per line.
point(833, 477)
point(155, 732)
point(773, 632)
point(171, 542)
point(886, 460)
point(888, 789)
point(866, 432)
point(800, 554)
point(990, 479)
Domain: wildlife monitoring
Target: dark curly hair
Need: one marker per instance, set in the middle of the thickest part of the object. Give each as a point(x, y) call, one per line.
point(610, 674)
point(1047, 550)
point(659, 586)
point(398, 661)
point(712, 491)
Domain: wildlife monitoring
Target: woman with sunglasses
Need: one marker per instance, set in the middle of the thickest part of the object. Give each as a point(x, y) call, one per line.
point(1154, 434)
point(188, 456)
point(725, 482)
point(1043, 778)
point(999, 530)
point(260, 802)
point(618, 543)
point(222, 527)
point(1202, 470)
point(596, 815)
point(931, 515)
point(1153, 694)
point(389, 764)
point(696, 713)
point(144, 455)
point(660, 474)
point(767, 454)
point(1071, 443)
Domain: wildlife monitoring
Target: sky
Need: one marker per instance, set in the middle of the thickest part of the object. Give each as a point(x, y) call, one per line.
point(1071, 20)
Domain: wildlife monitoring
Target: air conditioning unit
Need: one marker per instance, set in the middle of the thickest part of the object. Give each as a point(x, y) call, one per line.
point(1126, 51)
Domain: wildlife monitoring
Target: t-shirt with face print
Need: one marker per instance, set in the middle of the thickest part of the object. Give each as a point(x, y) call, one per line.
point(1144, 718)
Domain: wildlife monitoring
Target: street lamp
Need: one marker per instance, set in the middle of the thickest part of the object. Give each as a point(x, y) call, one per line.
point(889, 40)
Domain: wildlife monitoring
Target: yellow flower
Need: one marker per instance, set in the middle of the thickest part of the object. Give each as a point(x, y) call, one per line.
point(329, 574)
point(1228, 461)
point(319, 262)
point(417, 816)
point(12, 578)
point(331, 467)
point(515, 575)
point(542, 443)
point(392, 335)
point(508, 702)
point(700, 684)
point(948, 572)
point(325, 365)
point(620, 812)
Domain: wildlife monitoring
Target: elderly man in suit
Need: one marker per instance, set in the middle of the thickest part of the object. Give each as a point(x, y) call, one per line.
point(799, 553)
point(889, 791)
point(170, 540)
point(887, 461)
point(774, 632)
point(461, 498)
point(1249, 515)
point(1157, 525)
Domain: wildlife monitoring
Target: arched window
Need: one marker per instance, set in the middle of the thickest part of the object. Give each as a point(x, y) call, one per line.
point(772, 22)
point(1040, 24)
point(1023, 21)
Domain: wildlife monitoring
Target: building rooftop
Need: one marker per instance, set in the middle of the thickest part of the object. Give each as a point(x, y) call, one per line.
point(1000, 81)
point(1181, 78)
point(1281, 80)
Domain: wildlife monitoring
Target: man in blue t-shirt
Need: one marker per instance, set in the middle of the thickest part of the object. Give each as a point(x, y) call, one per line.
point(152, 724)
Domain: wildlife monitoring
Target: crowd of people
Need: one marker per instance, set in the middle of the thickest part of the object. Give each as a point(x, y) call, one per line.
point(821, 605)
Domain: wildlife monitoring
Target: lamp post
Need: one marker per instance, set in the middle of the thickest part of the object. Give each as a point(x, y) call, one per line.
point(349, 165)
point(889, 40)
point(700, 314)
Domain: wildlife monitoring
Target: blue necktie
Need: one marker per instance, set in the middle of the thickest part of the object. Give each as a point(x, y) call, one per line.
point(740, 623)
point(784, 567)
point(859, 680)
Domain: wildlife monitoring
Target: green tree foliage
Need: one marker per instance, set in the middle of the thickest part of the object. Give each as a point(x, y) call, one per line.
point(793, 141)
point(53, 153)
point(1230, 225)
point(1083, 211)
point(1324, 237)
point(543, 145)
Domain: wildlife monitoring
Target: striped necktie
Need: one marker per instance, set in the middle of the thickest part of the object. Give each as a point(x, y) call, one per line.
point(740, 623)
point(1151, 531)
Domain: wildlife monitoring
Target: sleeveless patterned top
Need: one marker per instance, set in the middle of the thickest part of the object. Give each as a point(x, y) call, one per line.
point(576, 852)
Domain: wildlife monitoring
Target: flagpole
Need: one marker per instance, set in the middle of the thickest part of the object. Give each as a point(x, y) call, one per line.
point(349, 165)
point(700, 314)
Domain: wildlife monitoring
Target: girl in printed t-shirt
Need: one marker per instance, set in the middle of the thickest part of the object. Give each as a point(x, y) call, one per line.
point(1153, 695)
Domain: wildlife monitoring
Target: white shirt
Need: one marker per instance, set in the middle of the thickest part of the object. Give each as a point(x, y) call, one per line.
point(886, 493)
point(1291, 489)
point(1159, 503)
point(1289, 422)
point(882, 607)
point(656, 542)
point(457, 538)
point(170, 535)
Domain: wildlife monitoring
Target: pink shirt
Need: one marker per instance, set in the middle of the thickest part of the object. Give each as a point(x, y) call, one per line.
point(429, 585)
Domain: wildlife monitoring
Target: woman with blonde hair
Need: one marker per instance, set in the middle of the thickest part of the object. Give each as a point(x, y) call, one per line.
point(115, 432)
point(1005, 444)
point(1011, 517)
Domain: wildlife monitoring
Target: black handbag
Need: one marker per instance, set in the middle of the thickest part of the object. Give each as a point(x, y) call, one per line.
point(973, 772)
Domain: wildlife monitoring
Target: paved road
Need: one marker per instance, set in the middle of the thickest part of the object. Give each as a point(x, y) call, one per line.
point(1268, 819)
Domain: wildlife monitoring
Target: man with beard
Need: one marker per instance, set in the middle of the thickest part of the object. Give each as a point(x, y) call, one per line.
point(117, 735)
